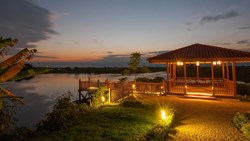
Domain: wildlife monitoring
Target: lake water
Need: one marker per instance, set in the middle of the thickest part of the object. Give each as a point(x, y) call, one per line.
point(40, 92)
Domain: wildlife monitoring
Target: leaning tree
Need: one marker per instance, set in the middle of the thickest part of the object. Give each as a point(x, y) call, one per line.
point(8, 69)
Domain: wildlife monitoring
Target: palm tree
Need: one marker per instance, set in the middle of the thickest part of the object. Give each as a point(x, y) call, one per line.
point(11, 66)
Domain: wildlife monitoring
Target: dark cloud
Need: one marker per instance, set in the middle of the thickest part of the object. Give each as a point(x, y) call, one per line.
point(226, 43)
point(25, 21)
point(158, 52)
point(188, 23)
point(96, 41)
point(44, 56)
point(222, 16)
point(109, 52)
point(243, 42)
point(245, 28)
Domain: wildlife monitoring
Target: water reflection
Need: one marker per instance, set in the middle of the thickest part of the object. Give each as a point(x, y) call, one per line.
point(40, 92)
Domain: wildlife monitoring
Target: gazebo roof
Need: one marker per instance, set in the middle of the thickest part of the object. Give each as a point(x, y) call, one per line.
point(202, 53)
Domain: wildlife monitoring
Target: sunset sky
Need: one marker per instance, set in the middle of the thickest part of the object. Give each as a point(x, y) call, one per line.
point(85, 32)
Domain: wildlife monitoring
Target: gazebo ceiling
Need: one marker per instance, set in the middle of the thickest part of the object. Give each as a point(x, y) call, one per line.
point(202, 53)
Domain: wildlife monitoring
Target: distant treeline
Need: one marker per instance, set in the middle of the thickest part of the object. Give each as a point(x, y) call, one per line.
point(242, 72)
point(103, 70)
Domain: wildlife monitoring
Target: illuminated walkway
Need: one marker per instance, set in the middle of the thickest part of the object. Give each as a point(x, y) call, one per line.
point(207, 120)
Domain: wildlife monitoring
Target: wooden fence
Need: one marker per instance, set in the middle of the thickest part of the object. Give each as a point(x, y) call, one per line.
point(116, 90)
point(149, 87)
point(120, 90)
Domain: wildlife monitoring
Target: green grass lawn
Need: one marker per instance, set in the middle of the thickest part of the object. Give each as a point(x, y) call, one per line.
point(108, 123)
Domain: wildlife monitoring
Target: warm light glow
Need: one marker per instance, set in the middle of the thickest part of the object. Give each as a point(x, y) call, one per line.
point(133, 86)
point(161, 87)
point(163, 115)
point(199, 93)
point(185, 86)
point(197, 63)
point(212, 88)
point(218, 62)
point(103, 99)
point(179, 63)
point(214, 62)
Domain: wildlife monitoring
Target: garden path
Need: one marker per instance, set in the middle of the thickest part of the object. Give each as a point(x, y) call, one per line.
point(206, 120)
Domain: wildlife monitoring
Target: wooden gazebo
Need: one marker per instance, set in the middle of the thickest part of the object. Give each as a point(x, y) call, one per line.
point(200, 54)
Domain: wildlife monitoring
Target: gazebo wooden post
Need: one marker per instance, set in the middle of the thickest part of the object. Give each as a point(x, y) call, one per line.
point(212, 73)
point(174, 71)
point(227, 71)
point(234, 78)
point(223, 74)
point(223, 70)
point(167, 65)
point(197, 71)
point(170, 71)
point(185, 78)
point(174, 74)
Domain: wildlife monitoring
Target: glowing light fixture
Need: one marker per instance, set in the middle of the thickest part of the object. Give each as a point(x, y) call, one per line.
point(103, 99)
point(214, 62)
point(179, 63)
point(163, 115)
point(218, 62)
point(212, 88)
point(186, 86)
point(197, 63)
point(161, 87)
point(133, 86)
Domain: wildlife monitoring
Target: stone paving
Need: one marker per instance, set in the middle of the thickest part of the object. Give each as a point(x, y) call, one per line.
point(203, 120)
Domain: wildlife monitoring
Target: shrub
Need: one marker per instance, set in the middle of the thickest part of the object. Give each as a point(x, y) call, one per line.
point(131, 103)
point(160, 131)
point(243, 89)
point(245, 129)
point(97, 98)
point(239, 119)
point(64, 114)
point(8, 109)
point(145, 79)
point(242, 122)
point(244, 98)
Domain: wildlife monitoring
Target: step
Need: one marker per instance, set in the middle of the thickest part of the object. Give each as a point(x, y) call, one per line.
point(200, 97)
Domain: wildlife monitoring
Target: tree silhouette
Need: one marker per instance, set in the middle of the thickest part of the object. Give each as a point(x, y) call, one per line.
point(8, 69)
point(134, 62)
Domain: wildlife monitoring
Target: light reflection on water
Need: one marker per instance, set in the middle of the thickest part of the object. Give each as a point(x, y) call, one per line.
point(40, 92)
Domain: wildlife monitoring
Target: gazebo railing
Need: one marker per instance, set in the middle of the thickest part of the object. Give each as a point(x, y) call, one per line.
point(176, 86)
point(194, 81)
point(149, 88)
point(224, 87)
point(221, 87)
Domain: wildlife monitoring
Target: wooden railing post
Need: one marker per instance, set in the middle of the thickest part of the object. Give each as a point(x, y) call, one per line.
point(163, 86)
point(185, 78)
point(234, 78)
point(212, 73)
point(79, 90)
point(167, 77)
point(89, 83)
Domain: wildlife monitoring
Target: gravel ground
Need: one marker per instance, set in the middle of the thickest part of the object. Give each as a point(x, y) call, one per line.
point(203, 120)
